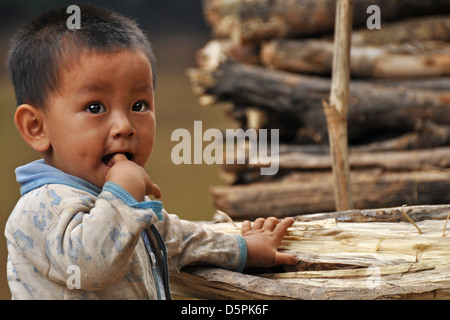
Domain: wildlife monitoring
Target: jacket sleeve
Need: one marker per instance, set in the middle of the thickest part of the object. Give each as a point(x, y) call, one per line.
point(189, 243)
point(96, 234)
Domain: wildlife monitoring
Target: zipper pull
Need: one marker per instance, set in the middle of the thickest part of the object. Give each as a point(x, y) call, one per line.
point(153, 258)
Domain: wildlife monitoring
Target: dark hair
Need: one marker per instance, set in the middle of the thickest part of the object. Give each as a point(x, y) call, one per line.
point(42, 47)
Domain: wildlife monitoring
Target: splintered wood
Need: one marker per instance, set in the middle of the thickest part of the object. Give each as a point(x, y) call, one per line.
point(342, 259)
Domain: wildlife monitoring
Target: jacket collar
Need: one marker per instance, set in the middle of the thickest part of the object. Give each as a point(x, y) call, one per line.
point(37, 173)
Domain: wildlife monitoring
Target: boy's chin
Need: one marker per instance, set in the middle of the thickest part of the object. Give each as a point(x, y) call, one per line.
point(98, 179)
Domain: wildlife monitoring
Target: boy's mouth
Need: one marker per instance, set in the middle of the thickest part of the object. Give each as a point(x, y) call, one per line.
point(107, 159)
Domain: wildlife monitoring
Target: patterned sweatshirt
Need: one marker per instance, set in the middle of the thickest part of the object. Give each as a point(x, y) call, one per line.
point(67, 239)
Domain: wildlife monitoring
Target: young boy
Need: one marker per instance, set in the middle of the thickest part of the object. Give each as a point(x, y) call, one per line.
point(85, 102)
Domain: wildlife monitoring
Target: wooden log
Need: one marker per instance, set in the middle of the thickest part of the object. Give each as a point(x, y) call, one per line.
point(255, 20)
point(399, 160)
point(373, 107)
point(381, 259)
point(214, 283)
point(310, 192)
point(425, 59)
point(257, 118)
point(431, 28)
point(413, 39)
point(425, 134)
point(437, 83)
point(316, 157)
point(429, 283)
point(435, 158)
point(215, 51)
point(396, 214)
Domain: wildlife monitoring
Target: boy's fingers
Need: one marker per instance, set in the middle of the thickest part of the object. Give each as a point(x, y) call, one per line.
point(154, 190)
point(258, 223)
point(246, 227)
point(270, 223)
point(118, 157)
point(284, 225)
point(286, 259)
point(157, 191)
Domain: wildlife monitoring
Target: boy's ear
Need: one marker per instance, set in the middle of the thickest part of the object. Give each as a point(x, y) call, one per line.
point(29, 121)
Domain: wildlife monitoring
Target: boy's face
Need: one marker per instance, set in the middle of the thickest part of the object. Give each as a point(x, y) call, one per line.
point(105, 105)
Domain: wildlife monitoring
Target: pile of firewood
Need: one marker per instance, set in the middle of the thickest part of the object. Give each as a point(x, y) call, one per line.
point(271, 61)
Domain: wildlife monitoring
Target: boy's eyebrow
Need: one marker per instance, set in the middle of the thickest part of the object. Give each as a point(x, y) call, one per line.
point(142, 88)
point(105, 87)
point(96, 88)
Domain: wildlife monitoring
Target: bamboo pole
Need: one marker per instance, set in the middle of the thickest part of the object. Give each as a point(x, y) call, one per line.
point(336, 111)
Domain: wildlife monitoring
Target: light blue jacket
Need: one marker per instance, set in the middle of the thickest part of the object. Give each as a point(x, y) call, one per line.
point(67, 239)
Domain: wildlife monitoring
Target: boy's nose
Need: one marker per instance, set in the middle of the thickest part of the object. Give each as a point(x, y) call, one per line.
point(122, 127)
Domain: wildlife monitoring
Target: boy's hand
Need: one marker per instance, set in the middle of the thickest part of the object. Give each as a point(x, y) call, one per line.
point(132, 177)
point(263, 240)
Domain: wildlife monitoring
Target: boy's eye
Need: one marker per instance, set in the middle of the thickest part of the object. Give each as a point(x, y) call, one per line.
point(95, 108)
point(140, 106)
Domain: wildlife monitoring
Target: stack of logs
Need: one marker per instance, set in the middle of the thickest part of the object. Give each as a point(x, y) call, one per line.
point(271, 60)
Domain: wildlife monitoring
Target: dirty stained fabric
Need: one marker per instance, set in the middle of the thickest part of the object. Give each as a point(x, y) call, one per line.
point(67, 239)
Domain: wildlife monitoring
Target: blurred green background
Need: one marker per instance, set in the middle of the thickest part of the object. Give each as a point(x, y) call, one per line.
point(177, 29)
